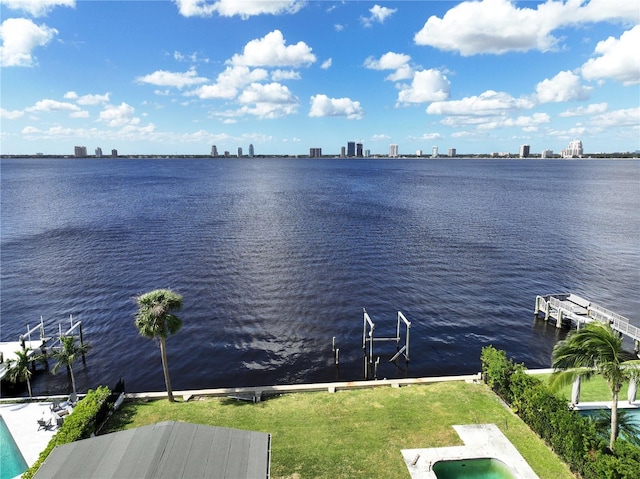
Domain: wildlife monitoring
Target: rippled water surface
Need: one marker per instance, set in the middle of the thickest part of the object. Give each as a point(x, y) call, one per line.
point(275, 257)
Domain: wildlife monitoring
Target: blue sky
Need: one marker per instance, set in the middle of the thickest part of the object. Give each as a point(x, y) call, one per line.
point(175, 77)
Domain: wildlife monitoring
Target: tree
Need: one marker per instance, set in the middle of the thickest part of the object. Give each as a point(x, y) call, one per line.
point(155, 319)
point(595, 349)
point(65, 355)
point(19, 369)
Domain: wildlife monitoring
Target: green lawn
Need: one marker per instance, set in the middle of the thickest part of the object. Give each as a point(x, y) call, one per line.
point(356, 433)
point(595, 389)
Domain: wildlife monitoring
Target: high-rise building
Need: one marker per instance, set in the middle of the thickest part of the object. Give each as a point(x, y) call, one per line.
point(98, 152)
point(359, 150)
point(315, 152)
point(214, 150)
point(546, 154)
point(524, 151)
point(434, 152)
point(452, 152)
point(574, 150)
point(114, 153)
point(351, 149)
point(418, 153)
point(80, 151)
point(342, 152)
point(239, 152)
point(251, 151)
point(393, 151)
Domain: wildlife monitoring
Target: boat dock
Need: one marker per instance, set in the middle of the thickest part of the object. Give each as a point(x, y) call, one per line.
point(34, 342)
point(576, 311)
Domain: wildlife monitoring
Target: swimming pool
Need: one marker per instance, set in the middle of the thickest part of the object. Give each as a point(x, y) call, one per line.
point(484, 468)
point(12, 463)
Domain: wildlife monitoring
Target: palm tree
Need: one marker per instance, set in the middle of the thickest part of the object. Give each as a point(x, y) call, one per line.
point(627, 428)
point(155, 319)
point(19, 369)
point(595, 349)
point(67, 354)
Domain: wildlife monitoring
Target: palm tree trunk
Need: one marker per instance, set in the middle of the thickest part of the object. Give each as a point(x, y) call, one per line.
point(73, 380)
point(614, 420)
point(165, 368)
point(29, 388)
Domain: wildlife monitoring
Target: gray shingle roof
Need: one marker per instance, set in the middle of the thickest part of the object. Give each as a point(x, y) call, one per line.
point(163, 450)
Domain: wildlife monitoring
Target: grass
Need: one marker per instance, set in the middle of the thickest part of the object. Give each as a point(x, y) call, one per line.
point(356, 433)
point(593, 390)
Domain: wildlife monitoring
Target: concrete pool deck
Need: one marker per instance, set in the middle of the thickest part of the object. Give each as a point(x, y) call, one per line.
point(22, 420)
point(480, 441)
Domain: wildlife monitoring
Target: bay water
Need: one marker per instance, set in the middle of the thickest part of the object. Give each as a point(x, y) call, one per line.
point(276, 257)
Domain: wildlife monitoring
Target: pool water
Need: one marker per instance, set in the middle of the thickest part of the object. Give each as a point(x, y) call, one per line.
point(472, 469)
point(12, 463)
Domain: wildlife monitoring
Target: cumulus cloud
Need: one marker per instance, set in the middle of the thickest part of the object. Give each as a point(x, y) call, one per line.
point(624, 117)
point(326, 64)
point(10, 115)
point(272, 51)
point(426, 86)
point(243, 9)
point(279, 75)
point(37, 8)
point(499, 26)
point(388, 61)
point(322, 105)
point(392, 61)
point(426, 136)
point(565, 86)
point(229, 82)
point(20, 37)
point(617, 59)
point(47, 106)
point(488, 103)
point(177, 80)
point(118, 115)
point(87, 100)
point(270, 93)
point(585, 110)
point(378, 15)
point(491, 26)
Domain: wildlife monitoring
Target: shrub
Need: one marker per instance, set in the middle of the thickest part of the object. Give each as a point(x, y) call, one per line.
point(571, 436)
point(79, 425)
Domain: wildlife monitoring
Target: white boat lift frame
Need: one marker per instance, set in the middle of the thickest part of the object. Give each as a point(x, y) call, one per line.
point(368, 338)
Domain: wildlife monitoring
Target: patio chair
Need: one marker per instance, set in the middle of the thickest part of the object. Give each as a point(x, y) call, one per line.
point(44, 424)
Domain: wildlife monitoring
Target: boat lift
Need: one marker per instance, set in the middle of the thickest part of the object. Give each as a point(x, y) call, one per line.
point(368, 338)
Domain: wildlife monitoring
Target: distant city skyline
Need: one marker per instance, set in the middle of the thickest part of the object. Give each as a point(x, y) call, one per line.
point(282, 78)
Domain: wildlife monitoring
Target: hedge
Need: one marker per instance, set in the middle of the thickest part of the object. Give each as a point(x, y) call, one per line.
point(78, 425)
point(569, 435)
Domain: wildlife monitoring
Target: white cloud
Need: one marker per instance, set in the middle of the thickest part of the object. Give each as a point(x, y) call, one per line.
point(491, 26)
point(118, 116)
point(47, 106)
point(625, 117)
point(229, 82)
point(20, 37)
point(426, 136)
point(388, 61)
point(87, 100)
point(488, 103)
point(177, 80)
point(10, 115)
point(271, 51)
point(585, 110)
point(618, 59)
point(270, 93)
point(37, 8)
point(527, 123)
point(243, 9)
point(279, 75)
point(380, 137)
point(499, 26)
point(326, 64)
point(427, 86)
point(565, 86)
point(322, 105)
point(378, 15)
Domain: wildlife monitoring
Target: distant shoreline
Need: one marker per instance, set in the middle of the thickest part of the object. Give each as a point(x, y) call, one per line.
point(593, 156)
